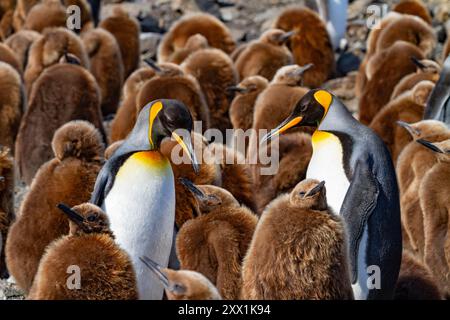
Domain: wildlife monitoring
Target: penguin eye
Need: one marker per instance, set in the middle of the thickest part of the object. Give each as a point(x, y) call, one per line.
point(303, 108)
point(302, 193)
point(91, 218)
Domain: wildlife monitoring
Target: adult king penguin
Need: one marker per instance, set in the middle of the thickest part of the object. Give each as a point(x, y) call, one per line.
point(360, 178)
point(136, 189)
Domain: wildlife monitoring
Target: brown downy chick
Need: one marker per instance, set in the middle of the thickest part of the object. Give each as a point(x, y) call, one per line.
point(125, 117)
point(106, 66)
point(412, 164)
point(183, 284)
point(426, 70)
point(126, 30)
point(413, 7)
point(215, 243)
point(243, 104)
point(433, 195)
point(215, 32)
point(194, 43)
point(20, 43)
point(215, 72)
point(69, 177)
point(8, 56)
point(396, 64)
point(6, 202)
point(63, 92)
point(415, 281)
point(6, 24)
point(309, 44)
point(266, 55)
point(48, 50)
point(171, 82)
point(298, 250)
point(105, 270)
point(408, 107)
point(46, 14)
point(11, 104)
point(21, 11)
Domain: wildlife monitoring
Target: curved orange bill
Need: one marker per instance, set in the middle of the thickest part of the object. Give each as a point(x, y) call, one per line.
point(186, 143)
point(285, 125)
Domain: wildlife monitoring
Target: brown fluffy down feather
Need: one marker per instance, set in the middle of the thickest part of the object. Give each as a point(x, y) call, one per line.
point(193, 44)
point(6, 26)
point(11, 104)
point(310, 43)
point(20, 43)
point(407, 107)
point(412, 164)
point(126, 30)
point(298, 251)
point(106, 66)
point(415, 281)
point(62, 93)
point(210, 27)
point(46, 14)
point(68, 178)
point(179, 86)
point(125, 117)
point(215, 72)
point(6, 202)
point(106, 270)
point(49, 49)
point(8, 56)
point(378, 89)
point(410, 29)
point(413, 7)
point(215, 243)
point(21, 12)
point(433, 194)
point(263, 57)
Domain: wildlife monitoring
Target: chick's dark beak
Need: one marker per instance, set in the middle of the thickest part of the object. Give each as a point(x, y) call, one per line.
point(286, 36)
point(316, 189)
point(73, 216)
point(429, 145)
point(417, 62)
point(408, 127)
point(156, 268)
point(237, 89)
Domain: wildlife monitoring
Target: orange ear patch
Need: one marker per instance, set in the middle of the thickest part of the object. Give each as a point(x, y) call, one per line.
point(154, 110)
point(324, 98)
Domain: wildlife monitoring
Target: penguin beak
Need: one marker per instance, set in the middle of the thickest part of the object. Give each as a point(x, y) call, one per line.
point(209, 200)
point(237, 89)
point(316, 189)
point(413, 132)
point(186, 144)
point(418, 64)
point(304, 68)
point(285, 37)
point(156, 268)
point(429, 145)
point(290, 122)
point(73, 216)
point(152, 64)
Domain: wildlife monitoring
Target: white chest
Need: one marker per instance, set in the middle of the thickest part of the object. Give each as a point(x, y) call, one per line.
point(141, 209)
point(327, 164)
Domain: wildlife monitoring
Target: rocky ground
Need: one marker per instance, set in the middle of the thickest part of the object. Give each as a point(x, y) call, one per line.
point(246, 20)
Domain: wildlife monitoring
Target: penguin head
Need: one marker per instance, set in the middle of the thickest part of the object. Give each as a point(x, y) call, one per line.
point(86, 218)
point(157, 121)
point(424, 128)
point(309, 111)
point(310, 194)
point(183, 284)
point(276, 37)
point(196, 42)
point(166, 69)
point(441, 148)
point(250, 85)
point(291, 75)
point(426, 65)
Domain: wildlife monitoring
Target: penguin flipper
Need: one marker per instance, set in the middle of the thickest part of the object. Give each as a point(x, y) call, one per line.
point(359, 203)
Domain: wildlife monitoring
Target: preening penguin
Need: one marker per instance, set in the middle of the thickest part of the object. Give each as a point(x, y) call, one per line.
point(126, 31)
point(172, 82)
point(408, 107)
point(106, 66)
point(126, 114)
point(105, 269)
point(6, 202)
point(183, 284)
point(8, 56)
point(46, 14)
point(413, 7)
point(62, 93)
point(20, 42)
point(310, 43)
point(265, 56)
point(69, 177)
point(138, 179)
point(298, 250)
point(49, 49)
point(433, 194)
point(394, 63)
point(215, 72)
point(361, 183)
point(243, 104)
point(11, 104)
point(194, 43)
point(210, 27)
point(215, 243)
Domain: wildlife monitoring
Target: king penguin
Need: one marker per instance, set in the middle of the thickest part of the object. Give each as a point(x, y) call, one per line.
point(357, 168)
point(136, 189)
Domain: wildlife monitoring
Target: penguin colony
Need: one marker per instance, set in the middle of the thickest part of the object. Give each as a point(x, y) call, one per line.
point(352, 190)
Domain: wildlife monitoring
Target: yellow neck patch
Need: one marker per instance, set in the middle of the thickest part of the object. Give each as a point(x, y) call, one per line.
point(324, 98)
point(152, 160)
point(154, 110)
point(320, 137)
